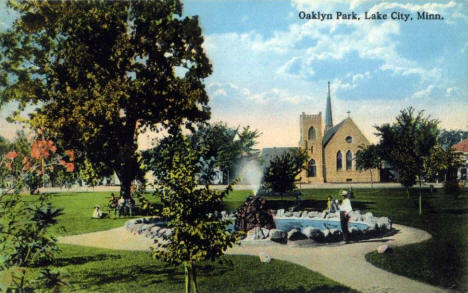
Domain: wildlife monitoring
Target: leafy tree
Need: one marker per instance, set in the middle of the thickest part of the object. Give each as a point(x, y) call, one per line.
point(222, 146)
point(368, 158)
point(407, 145)
point(26, 163)
point(441, 161)
point(100, 72)
point(448, 138)
point(281, 174)
point(192, 213)
point(24, 238)
point(4, 145)
point(225, 145)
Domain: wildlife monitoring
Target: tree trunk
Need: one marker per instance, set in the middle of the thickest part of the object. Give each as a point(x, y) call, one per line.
point(420, 197)
point(407, 192)
point(371, 179)
point(194, 279)
point(127, 166)
point(188, 273)
point(125, 185)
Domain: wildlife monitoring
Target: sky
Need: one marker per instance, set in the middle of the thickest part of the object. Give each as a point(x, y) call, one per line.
point(269, 65)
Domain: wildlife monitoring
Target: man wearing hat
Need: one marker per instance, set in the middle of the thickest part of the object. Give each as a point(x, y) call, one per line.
point(345, 209)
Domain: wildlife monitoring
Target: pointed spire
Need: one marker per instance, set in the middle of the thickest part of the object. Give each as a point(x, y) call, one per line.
point(328, 112)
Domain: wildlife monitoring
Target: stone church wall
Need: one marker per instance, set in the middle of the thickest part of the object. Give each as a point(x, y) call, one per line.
point(338, 143)
point(313, 146)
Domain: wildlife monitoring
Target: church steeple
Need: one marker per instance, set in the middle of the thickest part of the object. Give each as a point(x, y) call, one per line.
point(328, 112)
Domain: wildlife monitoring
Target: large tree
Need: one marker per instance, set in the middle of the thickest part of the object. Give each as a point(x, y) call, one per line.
point(407, 145)
point(100, 72)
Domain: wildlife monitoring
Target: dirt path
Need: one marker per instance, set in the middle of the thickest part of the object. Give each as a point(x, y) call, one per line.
point(343, 263)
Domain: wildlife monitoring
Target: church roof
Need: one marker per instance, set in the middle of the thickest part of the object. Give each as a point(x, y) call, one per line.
point(329, 134)
point(462, 146)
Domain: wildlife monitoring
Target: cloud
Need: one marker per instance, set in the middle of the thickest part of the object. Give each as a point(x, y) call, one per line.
point(350, 81)
point(450, 10)
point(228, 93)
point(424, 93)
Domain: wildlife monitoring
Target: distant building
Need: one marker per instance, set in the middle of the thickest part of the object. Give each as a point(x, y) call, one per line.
point(462, 148)
point(332, 149)
point(269, 154)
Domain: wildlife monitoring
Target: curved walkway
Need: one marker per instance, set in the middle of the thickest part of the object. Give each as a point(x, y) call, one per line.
point(345, 264)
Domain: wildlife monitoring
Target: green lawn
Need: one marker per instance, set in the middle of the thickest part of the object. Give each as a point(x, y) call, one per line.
point(103, 270)
point(440, 261)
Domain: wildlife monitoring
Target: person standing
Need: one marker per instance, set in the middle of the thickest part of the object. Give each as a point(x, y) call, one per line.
point(345, 210)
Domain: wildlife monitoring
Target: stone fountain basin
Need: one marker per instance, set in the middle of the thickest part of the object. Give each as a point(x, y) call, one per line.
point(289, 223)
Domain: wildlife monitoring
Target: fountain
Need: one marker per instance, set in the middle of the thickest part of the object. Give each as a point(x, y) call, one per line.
point(251, 173)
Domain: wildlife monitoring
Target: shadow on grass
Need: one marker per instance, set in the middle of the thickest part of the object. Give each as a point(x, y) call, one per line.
point(132, 273)
point(325, 289)
point(450, 211)
point(164, 274)
point(78, 260)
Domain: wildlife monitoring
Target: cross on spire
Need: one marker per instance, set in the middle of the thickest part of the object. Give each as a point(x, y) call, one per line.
point(349, 112)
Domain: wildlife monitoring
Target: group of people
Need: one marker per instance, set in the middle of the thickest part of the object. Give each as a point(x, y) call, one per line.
point(120, 206)
point(345, 208)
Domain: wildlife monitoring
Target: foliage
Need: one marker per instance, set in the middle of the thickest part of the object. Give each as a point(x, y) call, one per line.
point(192, 213)
point(53, 280)
point(223, 147)
point(407, 145)
point(4, 146)
point(440, 162)
point(100, 72)
point(30, 162)
point(281, 174)
point(368, 158)
point(24, 240)
point(24, 224)
point(448, 138)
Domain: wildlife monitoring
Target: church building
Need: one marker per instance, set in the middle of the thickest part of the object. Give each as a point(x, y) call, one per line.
point(332, 149)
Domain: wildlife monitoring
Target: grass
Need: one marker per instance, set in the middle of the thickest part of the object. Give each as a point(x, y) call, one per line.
point(103, 270)
point(441, 261)
point(78, 209)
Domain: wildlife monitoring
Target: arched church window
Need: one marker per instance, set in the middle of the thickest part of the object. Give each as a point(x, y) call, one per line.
point(312, 149)
point(311, 169)
point(339, 161)
point(349, 160)
point(312, 133)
